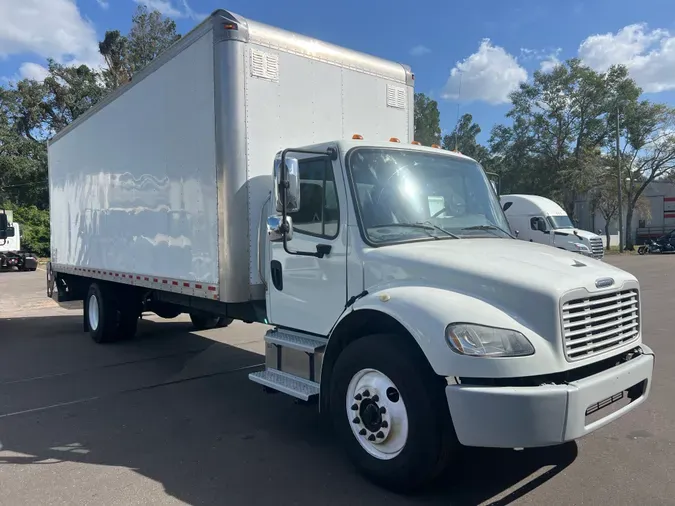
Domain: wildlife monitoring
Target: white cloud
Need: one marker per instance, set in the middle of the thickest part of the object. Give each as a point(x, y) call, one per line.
point(103, 4)
point(35, 71)
point(648, 54)
point(163, 6)
point(419, 50)
point(48, 29)
point(489, 74)
point(550, 61)
point(167, 8)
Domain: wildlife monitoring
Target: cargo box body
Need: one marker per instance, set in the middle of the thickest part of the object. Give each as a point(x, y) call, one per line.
point(164, 182)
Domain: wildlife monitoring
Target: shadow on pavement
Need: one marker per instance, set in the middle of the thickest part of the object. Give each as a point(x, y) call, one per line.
point(178, 408)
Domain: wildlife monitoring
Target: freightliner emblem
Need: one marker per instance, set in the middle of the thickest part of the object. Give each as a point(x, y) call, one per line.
point(604, 282)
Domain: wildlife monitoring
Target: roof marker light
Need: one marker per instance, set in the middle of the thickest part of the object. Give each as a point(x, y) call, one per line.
point(416, 143)
point(394, 139)
point(357, 137)
point(435, 146)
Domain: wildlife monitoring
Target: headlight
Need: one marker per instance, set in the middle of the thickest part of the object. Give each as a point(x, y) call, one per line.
point(481, 341)
point(582, 248)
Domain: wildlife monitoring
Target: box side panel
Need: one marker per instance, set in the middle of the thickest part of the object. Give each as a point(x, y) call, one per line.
point(133, 189)
point(293, 100)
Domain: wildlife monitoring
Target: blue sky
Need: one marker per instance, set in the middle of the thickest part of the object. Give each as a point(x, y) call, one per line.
point(492, 44)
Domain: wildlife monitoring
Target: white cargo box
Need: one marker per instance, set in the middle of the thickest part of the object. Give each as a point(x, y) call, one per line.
point(162, 184)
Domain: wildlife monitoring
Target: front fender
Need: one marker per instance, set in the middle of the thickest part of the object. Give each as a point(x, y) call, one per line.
point(425, 313)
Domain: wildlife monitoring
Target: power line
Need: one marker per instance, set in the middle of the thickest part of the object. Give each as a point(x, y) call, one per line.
point(34, 183)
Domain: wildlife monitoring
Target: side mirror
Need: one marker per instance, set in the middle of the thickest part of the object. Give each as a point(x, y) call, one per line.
point(516, 232)
point(292, 182)
point(274, 228)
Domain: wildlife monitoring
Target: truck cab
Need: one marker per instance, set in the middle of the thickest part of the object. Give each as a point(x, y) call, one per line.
point(397, 293)
point(538, 219)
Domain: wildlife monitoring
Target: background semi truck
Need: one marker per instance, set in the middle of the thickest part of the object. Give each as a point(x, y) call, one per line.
point(538, 219)
point(11, 254)
point(254, 174)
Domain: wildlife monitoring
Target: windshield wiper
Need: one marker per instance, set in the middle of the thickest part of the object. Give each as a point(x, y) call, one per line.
point(441, 229)
point(424, 226)
point(488, 227)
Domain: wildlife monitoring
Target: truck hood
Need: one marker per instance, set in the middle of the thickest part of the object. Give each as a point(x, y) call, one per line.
point(580, 233)
point(525, 280)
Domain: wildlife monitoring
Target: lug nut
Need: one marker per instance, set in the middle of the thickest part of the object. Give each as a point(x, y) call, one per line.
point(385, 424)
point(355, 407)
point(356, 420)
point(376, 398)
point(380, 435)
point(358, 397)
point(362, 432)
point(371, 438)
point(383, 410)
point(366, 393)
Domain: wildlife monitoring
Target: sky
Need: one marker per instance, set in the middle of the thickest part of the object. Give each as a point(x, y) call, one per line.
point(491, 46)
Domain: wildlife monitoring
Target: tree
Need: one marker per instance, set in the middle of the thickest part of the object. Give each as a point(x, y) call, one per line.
point(464, 140)
point(427, 120)
point(115, 51)
point(151, 34)
point(648, 153)
point(559, 119)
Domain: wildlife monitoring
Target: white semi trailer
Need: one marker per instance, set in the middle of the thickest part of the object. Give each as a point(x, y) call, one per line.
point(398, 300)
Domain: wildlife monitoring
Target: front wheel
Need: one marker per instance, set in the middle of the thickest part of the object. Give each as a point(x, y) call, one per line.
point(642, 250)
point(390, 412)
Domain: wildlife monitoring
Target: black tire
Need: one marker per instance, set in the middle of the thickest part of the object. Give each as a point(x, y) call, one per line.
point(102, 324)
point(431, 441)
point(223, 322)
point(204, 321)
point(127, 324)
point(642, 250)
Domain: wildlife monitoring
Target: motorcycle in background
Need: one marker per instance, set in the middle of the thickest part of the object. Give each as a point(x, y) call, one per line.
point(654, 247)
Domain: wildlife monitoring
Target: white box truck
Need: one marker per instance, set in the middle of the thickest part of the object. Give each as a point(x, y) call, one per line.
point(538, 219)
point(397, 300)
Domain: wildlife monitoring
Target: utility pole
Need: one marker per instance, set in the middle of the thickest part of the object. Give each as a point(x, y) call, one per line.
point(618, 177)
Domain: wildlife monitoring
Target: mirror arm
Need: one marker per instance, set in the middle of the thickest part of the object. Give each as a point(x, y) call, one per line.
point(321, 249)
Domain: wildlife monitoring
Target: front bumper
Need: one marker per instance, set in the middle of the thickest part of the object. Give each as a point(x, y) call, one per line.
point(524, 417)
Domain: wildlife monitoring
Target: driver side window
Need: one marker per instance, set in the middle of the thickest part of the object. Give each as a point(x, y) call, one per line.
point(538, 223)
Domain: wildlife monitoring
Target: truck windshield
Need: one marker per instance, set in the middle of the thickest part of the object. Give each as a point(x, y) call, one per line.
point(560, 222)
point(406, 195)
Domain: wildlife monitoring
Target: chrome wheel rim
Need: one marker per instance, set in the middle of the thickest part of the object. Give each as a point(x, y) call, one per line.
point(93, 312)
point(377, 414)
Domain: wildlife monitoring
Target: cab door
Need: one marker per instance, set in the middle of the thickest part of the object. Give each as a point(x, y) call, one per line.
point(305, 292)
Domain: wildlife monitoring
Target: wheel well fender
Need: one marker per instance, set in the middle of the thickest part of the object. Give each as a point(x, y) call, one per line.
point(358, 323)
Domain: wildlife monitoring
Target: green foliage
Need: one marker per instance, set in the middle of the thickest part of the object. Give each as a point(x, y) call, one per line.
point(463, 139)
point(427, 120)
point(150, 35)
point(560, 121)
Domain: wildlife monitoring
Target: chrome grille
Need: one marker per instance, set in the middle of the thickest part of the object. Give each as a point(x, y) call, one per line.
point(600, 323)
point(597, 248)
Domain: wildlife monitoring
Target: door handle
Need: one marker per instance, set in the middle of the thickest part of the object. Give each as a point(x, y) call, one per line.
point(277, 275)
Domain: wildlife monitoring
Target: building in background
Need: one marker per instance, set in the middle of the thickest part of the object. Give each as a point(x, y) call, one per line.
point(659, 220)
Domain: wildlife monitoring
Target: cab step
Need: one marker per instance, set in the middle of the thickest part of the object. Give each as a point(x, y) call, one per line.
point(289, 384)
point(295, 340)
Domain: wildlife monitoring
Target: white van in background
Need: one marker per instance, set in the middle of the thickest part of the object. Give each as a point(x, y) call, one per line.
point(538, 219)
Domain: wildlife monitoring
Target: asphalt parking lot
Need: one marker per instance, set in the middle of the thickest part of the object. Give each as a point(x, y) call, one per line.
point(171, 418)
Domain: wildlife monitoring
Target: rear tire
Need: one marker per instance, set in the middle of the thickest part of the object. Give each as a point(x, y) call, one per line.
point(412, 441)
point(100, 313)
point(223, 322)
point(642, 250)
point(204, 321)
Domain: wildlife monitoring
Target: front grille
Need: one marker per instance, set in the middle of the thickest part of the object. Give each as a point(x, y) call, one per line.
point(600, 323)
point(597, 248)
